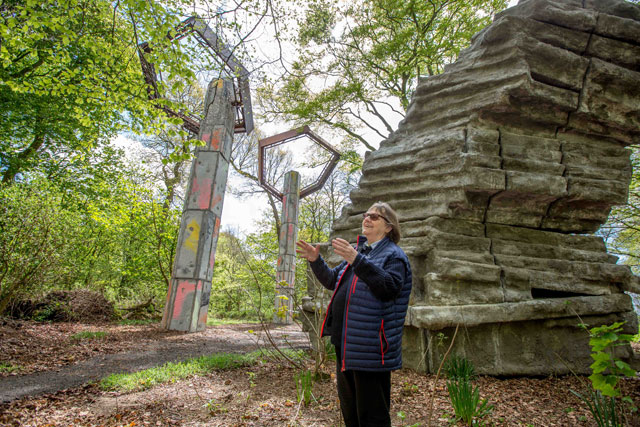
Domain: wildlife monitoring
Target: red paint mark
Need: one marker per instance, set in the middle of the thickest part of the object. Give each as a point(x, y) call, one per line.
point(216, 200)
point(290, 231)
point(279, 261)
point(215, 139)
point(216, 227)
point(202, 187)
point(206, 137)
point(203, 318)
point(185, 289)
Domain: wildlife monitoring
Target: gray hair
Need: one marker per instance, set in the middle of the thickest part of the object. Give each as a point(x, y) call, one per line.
point(392, 219)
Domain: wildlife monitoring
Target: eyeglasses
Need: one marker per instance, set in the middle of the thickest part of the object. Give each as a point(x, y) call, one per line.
point(373, 216)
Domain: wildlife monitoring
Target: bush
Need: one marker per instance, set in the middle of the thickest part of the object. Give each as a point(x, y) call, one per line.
point(65, 306)
point(108, 235)
point(33, 235)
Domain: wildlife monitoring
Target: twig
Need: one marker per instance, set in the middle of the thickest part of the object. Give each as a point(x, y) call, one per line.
point(435, 381)
point(298, 410)
point(263, 322)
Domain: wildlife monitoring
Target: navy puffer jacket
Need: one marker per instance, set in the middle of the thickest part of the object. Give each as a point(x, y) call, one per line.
point(375, 308)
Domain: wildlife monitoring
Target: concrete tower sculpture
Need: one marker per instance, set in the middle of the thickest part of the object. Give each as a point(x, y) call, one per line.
point(503, 168)
point(290, 197)
point(188, 294)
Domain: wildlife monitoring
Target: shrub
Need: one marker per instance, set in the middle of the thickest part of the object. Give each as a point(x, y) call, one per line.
point(607, 368)
point(34, 228)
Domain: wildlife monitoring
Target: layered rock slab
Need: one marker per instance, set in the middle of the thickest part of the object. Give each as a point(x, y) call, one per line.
point(501, 171)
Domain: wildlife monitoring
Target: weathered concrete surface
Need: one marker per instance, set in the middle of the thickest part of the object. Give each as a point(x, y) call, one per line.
point(286, 267)
point(503, 167)
point(190, 288)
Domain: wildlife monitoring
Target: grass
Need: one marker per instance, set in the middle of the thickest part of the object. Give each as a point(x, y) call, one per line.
point(89, 335)
point(8, 367)
point(459, 368)
point(466, 403)
point(170, 372)
point(135, 322)
point(213, 321)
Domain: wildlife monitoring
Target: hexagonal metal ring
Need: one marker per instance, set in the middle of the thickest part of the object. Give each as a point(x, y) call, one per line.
point(288, 136)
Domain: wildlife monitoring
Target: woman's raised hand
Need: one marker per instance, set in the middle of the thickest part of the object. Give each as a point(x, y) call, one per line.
point(344, 249)
point(307, 251)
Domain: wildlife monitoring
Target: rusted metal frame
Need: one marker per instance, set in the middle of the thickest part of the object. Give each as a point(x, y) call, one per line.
point(288, 136)
point(148, 71)
point(244, 121)
point(262, 179)
point(242, 95)
point(326, 171)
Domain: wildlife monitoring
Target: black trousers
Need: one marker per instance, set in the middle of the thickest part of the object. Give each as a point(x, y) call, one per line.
point(365, 397)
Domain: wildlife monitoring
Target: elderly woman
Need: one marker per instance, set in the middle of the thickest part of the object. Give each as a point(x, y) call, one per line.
point(366, 314)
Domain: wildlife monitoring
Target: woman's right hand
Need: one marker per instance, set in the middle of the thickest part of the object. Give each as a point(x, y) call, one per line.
point(307, 251)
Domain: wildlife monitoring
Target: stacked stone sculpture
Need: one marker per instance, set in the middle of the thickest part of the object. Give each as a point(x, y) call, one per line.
point(503, 168)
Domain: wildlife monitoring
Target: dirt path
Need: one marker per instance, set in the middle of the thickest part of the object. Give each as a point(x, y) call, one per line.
point(44, 369)
point(136, 355)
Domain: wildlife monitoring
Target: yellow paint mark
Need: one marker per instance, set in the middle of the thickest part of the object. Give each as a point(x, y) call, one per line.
point(192, 241)
point(220, 83)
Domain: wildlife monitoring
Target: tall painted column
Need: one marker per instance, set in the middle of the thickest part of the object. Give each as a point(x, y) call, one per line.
point(286, 268)
point(190, 288)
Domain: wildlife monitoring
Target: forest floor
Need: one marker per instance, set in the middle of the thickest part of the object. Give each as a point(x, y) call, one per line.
point(48, 377)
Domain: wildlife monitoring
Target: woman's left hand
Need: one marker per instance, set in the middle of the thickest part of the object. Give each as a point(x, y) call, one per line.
point(344, 249)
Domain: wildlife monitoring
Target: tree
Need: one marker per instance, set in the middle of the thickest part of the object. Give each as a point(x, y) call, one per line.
point(32, 228)
point(106, 231)
point(70, 77)
point(622, 230)
point(168, 154)
point(357, 62)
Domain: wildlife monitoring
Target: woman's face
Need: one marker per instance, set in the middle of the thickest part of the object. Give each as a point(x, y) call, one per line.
point(374, 229)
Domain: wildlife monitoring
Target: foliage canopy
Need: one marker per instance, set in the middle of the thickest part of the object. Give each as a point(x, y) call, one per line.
point(70, 77)
point(357, 62)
